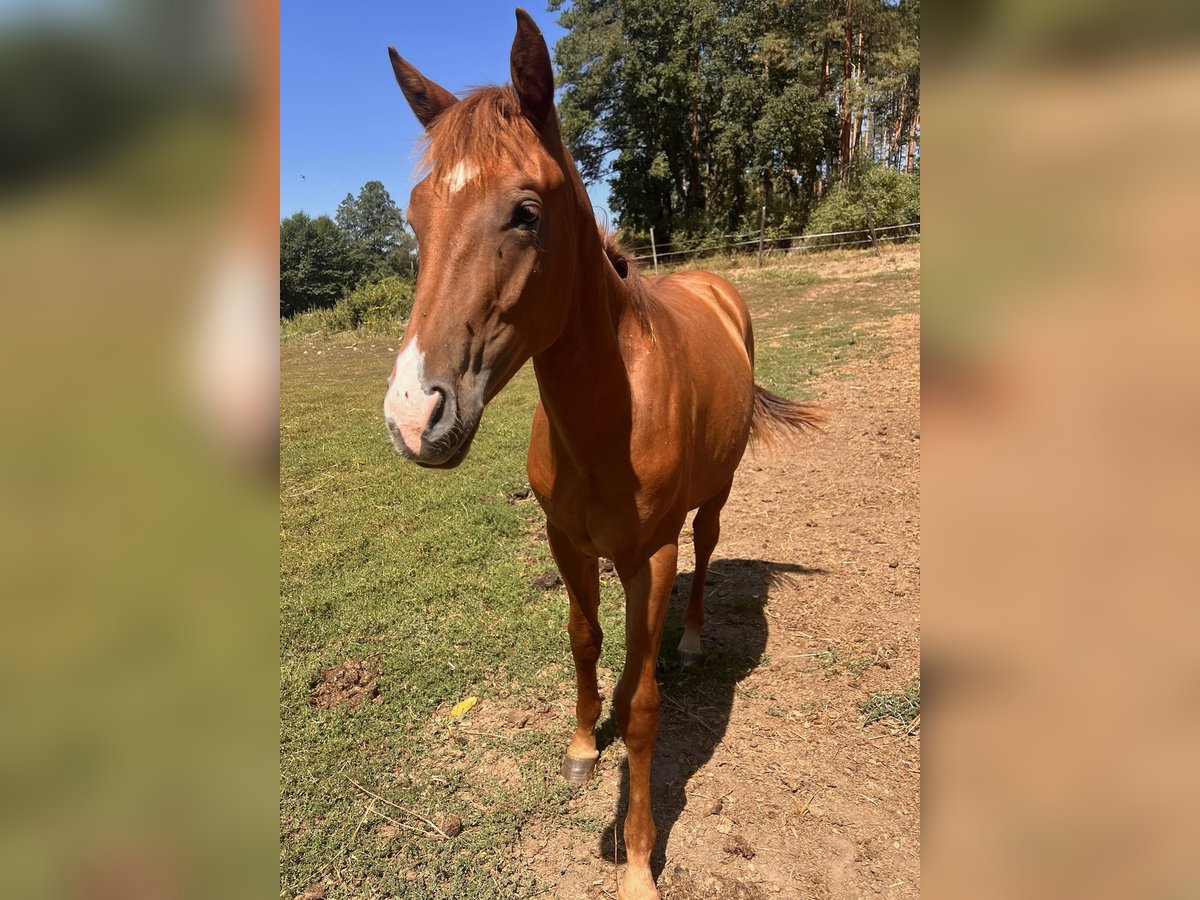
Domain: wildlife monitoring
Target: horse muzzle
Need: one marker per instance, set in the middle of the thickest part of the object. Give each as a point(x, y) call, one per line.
point(426, 426)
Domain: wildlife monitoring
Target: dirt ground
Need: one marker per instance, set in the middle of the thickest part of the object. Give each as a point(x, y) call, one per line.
point(766, 781)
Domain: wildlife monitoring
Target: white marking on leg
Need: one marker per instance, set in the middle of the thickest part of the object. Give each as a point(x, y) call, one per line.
point(690, 642)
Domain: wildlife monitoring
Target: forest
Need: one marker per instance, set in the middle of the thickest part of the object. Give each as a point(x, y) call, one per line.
point(700, 112)
point(365, 254)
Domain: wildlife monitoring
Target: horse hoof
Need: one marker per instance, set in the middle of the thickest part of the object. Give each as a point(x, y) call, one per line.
point(689, 661)
point(576, 770)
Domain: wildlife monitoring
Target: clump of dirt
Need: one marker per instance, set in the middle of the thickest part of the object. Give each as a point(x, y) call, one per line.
point(518, 493)
point(547, 581)
point(607, 570)
point(517, 718)
point(350, 684)
point(679, 883)
point(736, 845)
point(312, 892)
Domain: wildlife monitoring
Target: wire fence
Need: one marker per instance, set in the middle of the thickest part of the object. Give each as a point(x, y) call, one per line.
point(776, 244)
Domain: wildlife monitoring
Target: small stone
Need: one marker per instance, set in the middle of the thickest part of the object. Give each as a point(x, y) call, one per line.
point(452, 826)
point(312, 892)
point(894, 564)
point(715, 809)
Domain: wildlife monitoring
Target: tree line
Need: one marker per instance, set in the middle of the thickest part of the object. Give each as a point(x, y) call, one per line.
point(322, 260)
point(700, 112)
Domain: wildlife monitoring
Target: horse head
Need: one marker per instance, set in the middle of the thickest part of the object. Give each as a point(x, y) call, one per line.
point(496, 217)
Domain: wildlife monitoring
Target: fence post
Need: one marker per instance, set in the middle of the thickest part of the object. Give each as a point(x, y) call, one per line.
point(871, 226)
point(653, 250)
point(762, 227)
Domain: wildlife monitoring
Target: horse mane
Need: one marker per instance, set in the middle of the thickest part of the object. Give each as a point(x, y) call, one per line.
point(638, 290)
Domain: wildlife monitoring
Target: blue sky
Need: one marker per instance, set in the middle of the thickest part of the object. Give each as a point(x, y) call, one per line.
point(343, 120)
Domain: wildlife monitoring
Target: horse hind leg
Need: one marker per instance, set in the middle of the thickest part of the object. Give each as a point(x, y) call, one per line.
point(706, 529)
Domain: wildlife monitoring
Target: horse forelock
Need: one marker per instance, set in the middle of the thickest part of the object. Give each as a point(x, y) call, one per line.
point(477, 136)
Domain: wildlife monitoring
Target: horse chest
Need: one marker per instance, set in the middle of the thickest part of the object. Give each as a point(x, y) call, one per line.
point(597, 521)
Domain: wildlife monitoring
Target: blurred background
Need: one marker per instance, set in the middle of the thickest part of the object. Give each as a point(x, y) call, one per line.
point(138, 274)
point(1061, 424)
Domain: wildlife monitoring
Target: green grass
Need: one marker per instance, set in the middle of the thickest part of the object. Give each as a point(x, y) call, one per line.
point(425, 576)
point(834, 662)
point(903, 706)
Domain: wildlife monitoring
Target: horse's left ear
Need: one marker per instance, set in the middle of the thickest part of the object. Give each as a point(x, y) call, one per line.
point(532, 76)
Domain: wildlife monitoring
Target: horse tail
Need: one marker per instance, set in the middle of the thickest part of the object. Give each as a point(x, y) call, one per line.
point(777, 418)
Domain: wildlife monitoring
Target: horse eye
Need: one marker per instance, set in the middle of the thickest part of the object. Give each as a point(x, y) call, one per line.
point(528, 212)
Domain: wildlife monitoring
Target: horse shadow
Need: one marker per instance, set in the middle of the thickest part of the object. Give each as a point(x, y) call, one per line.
point(696, 704)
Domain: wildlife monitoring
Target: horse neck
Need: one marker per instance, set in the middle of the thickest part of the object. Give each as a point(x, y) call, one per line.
point(582, 376)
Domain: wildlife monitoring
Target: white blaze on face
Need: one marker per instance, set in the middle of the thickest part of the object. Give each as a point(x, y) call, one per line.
point(407, 407)
point(460, 176)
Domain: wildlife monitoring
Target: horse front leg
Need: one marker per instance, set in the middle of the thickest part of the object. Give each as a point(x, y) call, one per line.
point(581, 575)
point(647, 595)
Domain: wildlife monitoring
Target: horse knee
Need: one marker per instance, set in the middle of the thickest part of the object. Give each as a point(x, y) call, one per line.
point(585, 640)
point(637, 716)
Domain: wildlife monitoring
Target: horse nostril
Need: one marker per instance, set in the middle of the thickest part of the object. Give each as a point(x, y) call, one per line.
point(439, 410)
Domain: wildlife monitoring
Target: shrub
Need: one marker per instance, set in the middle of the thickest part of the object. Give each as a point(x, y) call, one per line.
point(373, 306)
point(894, 198)
point(379, 306)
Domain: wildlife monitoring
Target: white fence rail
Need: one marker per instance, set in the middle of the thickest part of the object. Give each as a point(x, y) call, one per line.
point(785, 244)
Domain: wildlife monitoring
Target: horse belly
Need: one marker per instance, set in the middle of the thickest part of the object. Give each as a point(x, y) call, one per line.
point(715, 338)
point(722, 423)
point(720, 445)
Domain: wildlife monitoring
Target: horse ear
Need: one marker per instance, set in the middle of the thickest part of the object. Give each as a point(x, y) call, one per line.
point(532, 76)
point(427, 98)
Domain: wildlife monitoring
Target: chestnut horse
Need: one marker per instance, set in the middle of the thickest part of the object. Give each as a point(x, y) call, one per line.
point(647, 394)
